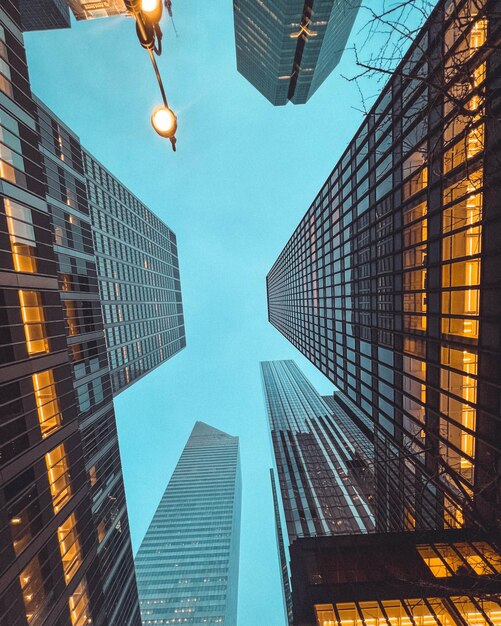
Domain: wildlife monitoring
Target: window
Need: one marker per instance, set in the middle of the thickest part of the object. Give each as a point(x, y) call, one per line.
point(49, 414)
point(22, 236)
point(69, 546)
point(59, 477)
point(33, 320)
point(79, 605)
point(33, 591)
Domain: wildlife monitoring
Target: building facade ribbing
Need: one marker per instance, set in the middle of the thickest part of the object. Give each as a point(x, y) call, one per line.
point(287, 49)
point(66, 554)
point(138, 273)
point(187, 565)
point(78, 281)
point(49, 569)
point(390, 283)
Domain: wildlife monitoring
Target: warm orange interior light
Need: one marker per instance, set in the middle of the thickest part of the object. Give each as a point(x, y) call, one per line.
point(49, 415)
point(69, 546)
point(59, 478)
point(33, 320)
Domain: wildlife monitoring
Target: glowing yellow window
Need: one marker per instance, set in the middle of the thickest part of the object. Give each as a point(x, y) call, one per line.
point(22, 236)
point(488, 552)
point(69, 546)
point(32, 589)
point(79, 606)
point(434, 563)
point(33, 321)
point(49, 414)
point(476, 561)
point(59, 477)
point(453, 514)
point(325, 615)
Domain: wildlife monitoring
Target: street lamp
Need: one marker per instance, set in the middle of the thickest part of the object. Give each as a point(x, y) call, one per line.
point(148, 14)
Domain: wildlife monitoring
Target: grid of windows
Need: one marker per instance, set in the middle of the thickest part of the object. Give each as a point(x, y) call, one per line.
point(187, 565)
point(286, 49)
point(139, 283)
point(381, 285)
point(78, 283)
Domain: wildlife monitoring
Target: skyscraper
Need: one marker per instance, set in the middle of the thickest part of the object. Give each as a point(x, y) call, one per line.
point(390, 284)
point(336, 569)
point(187, 565)
point(324, 473)
point(66, 555)
point(44, 14)
point(138, 274)
point(287, 49)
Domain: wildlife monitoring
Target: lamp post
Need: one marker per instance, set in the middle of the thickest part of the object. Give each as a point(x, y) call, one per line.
point(148, 14)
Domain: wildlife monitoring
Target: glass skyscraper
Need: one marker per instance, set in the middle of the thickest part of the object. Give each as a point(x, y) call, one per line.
point(287, 48)
point(138, 274)
point(390, 284)
point(337, 570)
point(66, 556)
point(187, 565)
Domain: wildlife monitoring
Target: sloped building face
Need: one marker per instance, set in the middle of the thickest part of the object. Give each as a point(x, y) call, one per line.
point(390, 283)
point(187, 565)
point(286, 49)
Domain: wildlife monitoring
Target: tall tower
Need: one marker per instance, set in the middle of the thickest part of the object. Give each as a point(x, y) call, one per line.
point(187, 565)
point(390, 284)
point(336, 568)
point(286, 49)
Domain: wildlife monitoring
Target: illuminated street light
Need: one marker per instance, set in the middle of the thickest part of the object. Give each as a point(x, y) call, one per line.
point(164, 121)
point(152, 9)
point(148, 14)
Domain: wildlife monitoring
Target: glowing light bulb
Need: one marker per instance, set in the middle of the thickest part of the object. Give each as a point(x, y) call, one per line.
point(164, 121)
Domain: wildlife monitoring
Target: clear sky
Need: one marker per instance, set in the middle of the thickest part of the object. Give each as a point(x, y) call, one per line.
point(244, 175)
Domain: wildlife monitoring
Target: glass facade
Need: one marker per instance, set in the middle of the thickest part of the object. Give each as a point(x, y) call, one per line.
point(286, 49)
point(323, 464)
point(44, 14)
point(384, 284)
point(70, 211)
point(138, 274)
point(187, 565)
point(48, 570)
point(65, 555)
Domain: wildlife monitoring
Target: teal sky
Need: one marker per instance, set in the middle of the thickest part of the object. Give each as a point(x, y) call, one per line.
point(242, 178)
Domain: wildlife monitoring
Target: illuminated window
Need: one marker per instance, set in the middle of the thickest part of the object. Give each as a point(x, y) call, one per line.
point(33, 591)
point(453, 514)
point(69, 546)
point(459, 428)
point(93, 475)
point(49, 414)
point(33, 320)
point(59, 477)
point(71, 317)
point(79, 606)
point(434, 562)
point(466, 148)
point(488, 552)
point(476, 557)
point(22, 236)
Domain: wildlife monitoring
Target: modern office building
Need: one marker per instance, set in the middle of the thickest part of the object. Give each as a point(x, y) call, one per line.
point(322, 480)
point(187, 565)
point(427, 578)
point(391, 283)
point(318, 464)
point(138, 273)
point(287, 49)
point(49, 573)
point(90, 9)
point(65, 554)
point(346, 573)
point(44, 14)
point(76, 264)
